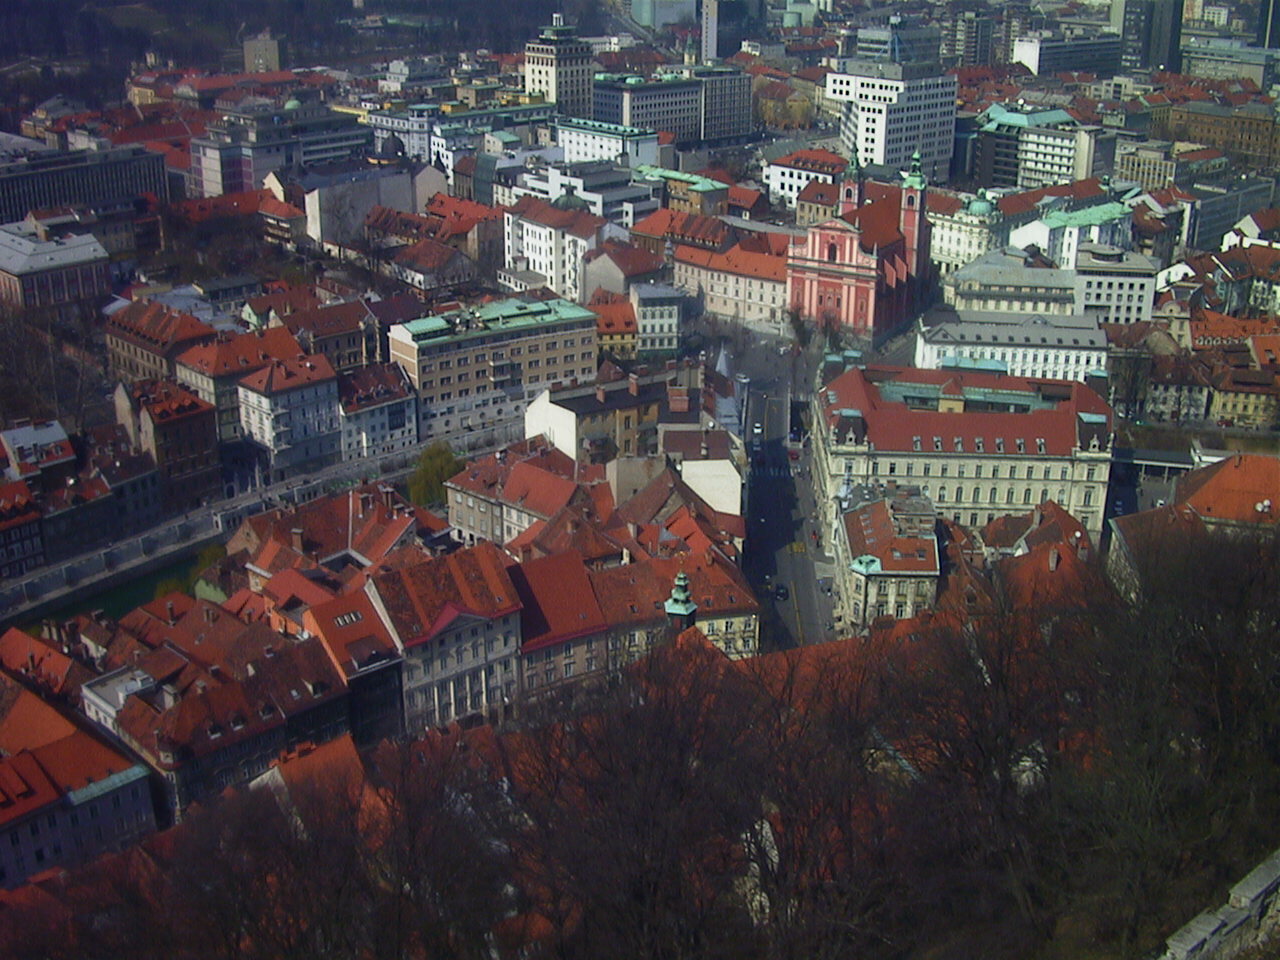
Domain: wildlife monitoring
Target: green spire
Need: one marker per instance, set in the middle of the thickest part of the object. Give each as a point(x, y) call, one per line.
point(915, 179)
point(680, 603)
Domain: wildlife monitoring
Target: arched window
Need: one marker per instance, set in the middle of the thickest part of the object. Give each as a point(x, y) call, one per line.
point(831, 253)
point(911, 200)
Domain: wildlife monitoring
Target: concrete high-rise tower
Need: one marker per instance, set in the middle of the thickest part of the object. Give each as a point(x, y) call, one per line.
point(558, 65)
point(710, 30)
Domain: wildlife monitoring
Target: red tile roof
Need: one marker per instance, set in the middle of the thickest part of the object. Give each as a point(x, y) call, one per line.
point(372, 385)
point(1231, 490)
point(557, 600)
point(425, 599)
point(157, 328)
point(330, 320)
point(821, 161)
point(819, 191)
point(892, 426)
point(279, 376)
point(871, 531)
point(17, 506)
point(693, 228)
point(630, 260)
point(736, 260)
point(241, 353)
point(352, 632)
point(580, 223)
point(166, 402)
point(614, 319)
point(427, 256)
point(1018, 203)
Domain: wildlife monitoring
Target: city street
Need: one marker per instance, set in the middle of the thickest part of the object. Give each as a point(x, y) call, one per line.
point(784, 558)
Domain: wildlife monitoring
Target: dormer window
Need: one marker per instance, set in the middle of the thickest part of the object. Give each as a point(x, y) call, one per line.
point(959, 442)
point(1022, 445)
point(1039, 444)
point(937, 444)
point(979, 444)
point(915, 444)
point(999, 444)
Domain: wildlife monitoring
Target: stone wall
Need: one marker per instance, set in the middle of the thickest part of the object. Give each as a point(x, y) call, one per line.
point(1249, 917)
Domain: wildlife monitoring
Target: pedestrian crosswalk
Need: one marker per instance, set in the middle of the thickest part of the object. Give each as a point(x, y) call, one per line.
point(774, 472)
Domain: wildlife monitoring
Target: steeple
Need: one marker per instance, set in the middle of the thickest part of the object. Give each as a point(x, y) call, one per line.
point(915, 179)
point(681, 610)
point(853, 192)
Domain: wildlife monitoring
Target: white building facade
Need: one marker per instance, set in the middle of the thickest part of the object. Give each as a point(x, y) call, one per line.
point(892, 109)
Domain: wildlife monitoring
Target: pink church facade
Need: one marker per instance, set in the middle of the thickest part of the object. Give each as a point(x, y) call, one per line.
point(866, 269)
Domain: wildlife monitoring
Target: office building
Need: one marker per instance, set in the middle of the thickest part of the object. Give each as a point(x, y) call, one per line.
point(40, 181)
point(1220, 58)
point(891, 110)
point(710, 41)
point(65, 277)
point(557, 65)
point(1268, 29)
point(596, 140)
point(1150, 34)
point(695, 103)
point(1028, 147)
point(1045, 53)
point(899, 40)
point(1055, 347)
point(1115, 285)
point(244, 145)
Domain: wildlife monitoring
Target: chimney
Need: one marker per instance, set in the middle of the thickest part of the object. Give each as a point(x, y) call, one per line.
point(388, 495)
point(599, 393)
point(1053, 559)
point(1035, 518)
point(295, 538)
point(633, 385)
point(168, 607)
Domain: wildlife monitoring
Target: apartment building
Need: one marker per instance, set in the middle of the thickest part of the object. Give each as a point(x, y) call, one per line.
point(180, 432)
point(475, 369)
point(145, 339)
point(290, 409)
point(887, 553)
point(745, 286)
point(213, 370)
point(980, 445)
point(378, 411)
point(68, 797)
point(546, 244)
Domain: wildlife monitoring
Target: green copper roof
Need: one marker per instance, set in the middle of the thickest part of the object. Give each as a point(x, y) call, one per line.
point(680, 603)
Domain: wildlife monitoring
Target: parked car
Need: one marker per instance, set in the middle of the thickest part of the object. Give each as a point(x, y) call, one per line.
point(780, 592)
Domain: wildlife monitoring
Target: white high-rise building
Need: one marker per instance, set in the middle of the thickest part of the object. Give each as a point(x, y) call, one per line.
point(558, 66)
point(890, 110)
point(710, 30)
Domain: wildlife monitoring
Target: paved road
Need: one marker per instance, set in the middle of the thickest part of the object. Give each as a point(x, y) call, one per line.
point(782, 543)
